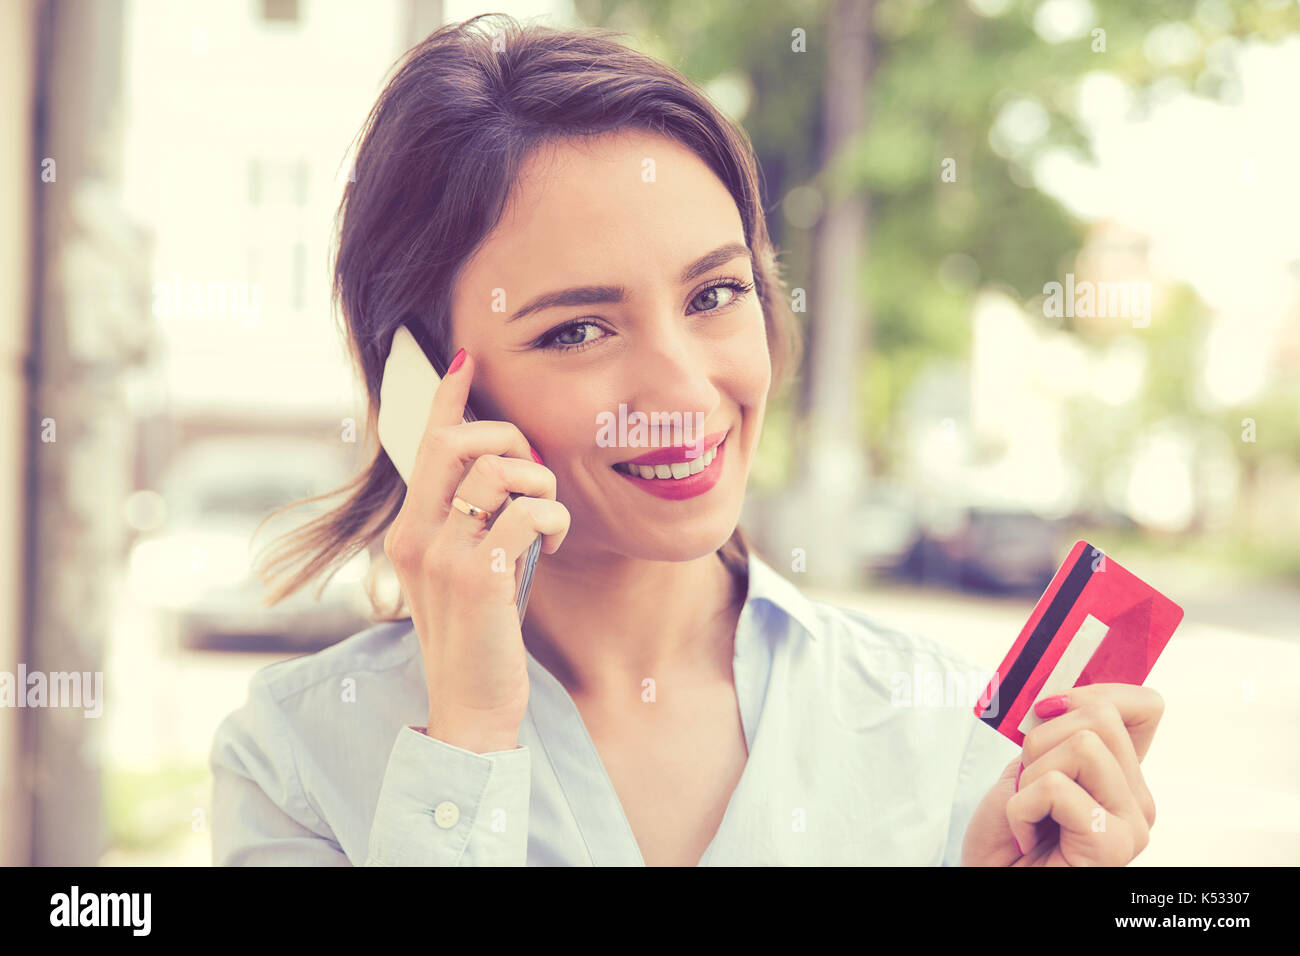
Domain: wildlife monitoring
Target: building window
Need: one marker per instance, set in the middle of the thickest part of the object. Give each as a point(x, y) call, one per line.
point(278, 182)
point(299, 275)
point(280, 11)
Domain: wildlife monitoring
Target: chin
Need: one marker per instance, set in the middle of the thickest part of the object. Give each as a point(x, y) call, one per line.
point(698, 543)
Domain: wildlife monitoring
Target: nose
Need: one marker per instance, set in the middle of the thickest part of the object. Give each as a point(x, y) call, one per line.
point(671, 370)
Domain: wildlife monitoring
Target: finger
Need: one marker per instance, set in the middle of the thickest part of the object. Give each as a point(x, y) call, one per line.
point(1140, 708)
point(432, 471)
point(1102, 719)
point(442, 459)
point(451, 396)
point(445, 411)
point(1085, 758)
point(1099, 713)
point(523, 520)
point(1054, 795)
point(489, 484)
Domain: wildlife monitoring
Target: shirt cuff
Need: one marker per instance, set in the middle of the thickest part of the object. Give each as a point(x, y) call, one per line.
point(442, 805)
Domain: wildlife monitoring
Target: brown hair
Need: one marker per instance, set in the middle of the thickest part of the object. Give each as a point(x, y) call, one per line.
point(439, 154)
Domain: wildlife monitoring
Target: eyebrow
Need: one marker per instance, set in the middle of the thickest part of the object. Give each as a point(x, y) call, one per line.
point(599, 294)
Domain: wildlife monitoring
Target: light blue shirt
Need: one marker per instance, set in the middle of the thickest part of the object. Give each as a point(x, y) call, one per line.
point(863, 750)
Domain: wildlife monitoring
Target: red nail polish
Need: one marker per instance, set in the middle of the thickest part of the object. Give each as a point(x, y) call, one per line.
point(1051, 706)
point(536, 457)
point(456, 361)
point(1018, 773)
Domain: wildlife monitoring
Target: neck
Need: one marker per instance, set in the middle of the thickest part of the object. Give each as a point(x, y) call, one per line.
point(603, 624)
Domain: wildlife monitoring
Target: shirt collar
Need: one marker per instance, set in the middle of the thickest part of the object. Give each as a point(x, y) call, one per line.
point(765, 584)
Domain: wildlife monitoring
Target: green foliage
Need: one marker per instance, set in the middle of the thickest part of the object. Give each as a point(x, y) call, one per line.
point(149, 810)
point(941, 75)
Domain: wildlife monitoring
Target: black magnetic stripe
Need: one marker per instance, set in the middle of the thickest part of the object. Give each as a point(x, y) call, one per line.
point(1048, 626)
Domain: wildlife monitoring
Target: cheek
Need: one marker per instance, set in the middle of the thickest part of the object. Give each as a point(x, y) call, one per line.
point(556, 425)
point(758, 378)
point(498, 396)
point(750, 364)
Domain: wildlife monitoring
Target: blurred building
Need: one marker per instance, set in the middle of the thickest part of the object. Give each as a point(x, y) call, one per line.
point(255, 159)
point(167, 282)
point(18, 31)
point(84, 325)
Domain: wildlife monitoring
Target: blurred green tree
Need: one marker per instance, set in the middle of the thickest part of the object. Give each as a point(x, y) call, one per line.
point(940, 73)
point(895, 204)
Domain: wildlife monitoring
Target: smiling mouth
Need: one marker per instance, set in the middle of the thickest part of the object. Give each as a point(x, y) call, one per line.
point(675, 471)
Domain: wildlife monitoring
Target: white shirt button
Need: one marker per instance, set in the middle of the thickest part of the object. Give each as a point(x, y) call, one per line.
point(446, 814)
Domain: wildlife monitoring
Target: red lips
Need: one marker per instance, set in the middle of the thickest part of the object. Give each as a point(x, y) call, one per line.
point(675, 454)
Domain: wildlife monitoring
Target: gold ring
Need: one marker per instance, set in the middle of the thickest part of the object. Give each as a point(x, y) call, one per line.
point(460, 504)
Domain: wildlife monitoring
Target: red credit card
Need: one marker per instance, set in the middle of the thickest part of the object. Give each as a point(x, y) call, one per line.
point(1095, 624)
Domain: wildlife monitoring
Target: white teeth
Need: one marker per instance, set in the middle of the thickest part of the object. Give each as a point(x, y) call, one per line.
point(678, 470)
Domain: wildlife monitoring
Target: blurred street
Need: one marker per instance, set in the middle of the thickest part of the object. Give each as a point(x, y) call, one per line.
point(1225, 778)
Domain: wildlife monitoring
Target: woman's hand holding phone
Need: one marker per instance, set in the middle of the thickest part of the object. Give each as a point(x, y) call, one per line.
point(457, 572)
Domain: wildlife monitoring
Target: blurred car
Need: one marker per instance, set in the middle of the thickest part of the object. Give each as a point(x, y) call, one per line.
point(196, 570)
point(992, 549)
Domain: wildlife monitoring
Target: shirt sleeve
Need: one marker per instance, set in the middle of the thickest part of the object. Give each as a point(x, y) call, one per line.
point(260, 815)
point(439, 805)
point(442, 805)
point(986, 755)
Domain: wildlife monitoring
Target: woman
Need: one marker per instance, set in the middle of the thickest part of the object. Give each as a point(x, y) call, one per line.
point(573, 227)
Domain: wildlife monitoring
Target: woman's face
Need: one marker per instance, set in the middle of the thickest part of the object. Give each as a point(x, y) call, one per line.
point(636, 212)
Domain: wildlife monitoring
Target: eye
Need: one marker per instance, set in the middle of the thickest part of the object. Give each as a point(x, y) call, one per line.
point(735, 288)
point(562, 337)
point(559, 338)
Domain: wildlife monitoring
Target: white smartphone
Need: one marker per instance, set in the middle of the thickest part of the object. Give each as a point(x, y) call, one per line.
point(405, 397)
